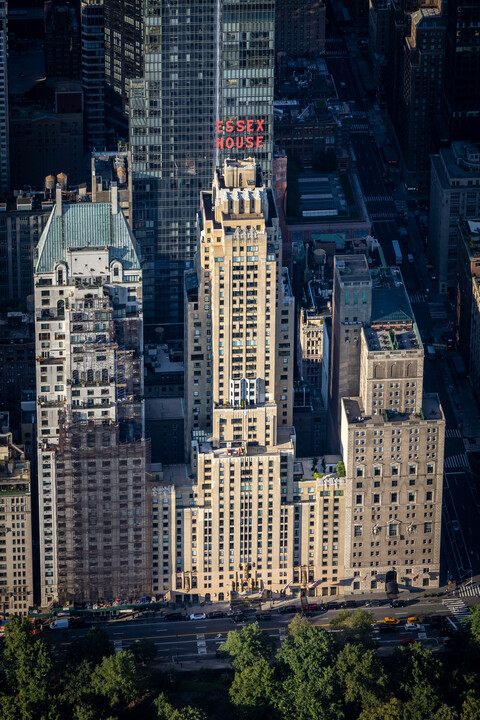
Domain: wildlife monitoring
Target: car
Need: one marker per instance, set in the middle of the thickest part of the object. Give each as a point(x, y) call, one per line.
point(37, 630)
point(238, 618)
point(387, 628)
point(398, 603)
point(455, 525)
point(413, 626)
point(332, 606)
point(391, 621)
point(215, 614)
point(198, 616)
point(349, 604)
point(409, 641)
point(414, 620)
point(289, 610)
point(373, 603)
point(263, 615)
point(170, 617)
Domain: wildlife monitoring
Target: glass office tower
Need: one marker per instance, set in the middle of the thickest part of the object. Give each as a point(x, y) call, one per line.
point(203, 62)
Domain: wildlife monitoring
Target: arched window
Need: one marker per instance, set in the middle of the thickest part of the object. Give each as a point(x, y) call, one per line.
point(61, 308)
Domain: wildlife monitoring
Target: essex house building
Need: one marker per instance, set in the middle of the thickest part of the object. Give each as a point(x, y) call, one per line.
point(94, 512)
point(244, 515)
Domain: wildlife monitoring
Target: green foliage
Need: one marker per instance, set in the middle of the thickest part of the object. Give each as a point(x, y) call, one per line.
point(308, 681)
point(412, 669)
point(144, 651)
point(253, 690)
point(246, 646)
point(361, 675)
point(27, 663)
point(118, 678)
point(166, 711)
point(354, 626)
point(340, 469)
point(93, 646)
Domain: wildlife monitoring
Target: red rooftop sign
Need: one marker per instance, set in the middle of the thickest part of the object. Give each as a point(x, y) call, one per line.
point(240, 134)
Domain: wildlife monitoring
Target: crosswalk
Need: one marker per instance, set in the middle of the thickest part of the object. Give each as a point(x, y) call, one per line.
point(418, 297)
point(456, 461)
point(438, 312)
point(453, 433)
point(201, 645)
point(379, 198)
point(457, 607)
point(469, 591)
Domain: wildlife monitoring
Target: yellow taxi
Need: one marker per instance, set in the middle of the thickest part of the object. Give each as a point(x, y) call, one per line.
point(414, 620)
point(391, 621)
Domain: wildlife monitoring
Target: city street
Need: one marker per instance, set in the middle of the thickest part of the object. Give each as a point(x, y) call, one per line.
point(190, 640)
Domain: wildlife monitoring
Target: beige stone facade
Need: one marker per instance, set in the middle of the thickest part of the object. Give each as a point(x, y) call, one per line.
point(246, 515)
point(16, 575)
point(392, 444)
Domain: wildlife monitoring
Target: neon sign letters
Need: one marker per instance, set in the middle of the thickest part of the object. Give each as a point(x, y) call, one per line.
point(229, 134)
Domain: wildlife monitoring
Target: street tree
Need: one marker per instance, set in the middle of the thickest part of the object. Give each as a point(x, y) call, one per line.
point(362, 676)
point(354, 626)
point(247, 646)
point(118, 678)
point(253, 690)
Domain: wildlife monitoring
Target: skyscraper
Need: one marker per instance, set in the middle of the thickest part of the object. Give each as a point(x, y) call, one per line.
point(392, 444)
point(204, 62)
point(235, 506)
point(4, 138)
point(93, 73)
point(92, 453)
point(462, 70)
point(124, 46)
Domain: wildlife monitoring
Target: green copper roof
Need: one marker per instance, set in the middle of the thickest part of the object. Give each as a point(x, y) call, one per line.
point(86, 225)
point(391, 304)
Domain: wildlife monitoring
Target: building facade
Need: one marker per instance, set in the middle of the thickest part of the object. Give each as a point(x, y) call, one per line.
point(124, 49)
point(462, 70)
point(352, 304)
point(245, 515)
point(203, 63)
point(300, 28)
point(92, 454)
point(4, 136)
point(423, 78)
point(16, 573)
point(392, 437)
point(454, 194)
point(468, 272)
point(93, 74)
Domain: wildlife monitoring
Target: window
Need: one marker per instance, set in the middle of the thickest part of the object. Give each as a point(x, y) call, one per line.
point(393, 497)
point(427, 527)
point(412, 469)
point(376, 499)
point(377, 471)
point(429, 496)
point(394, 470)
point(359, 500)
point(359, 472)
point(357, 530)
point(429, 469)
point(392, 530)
